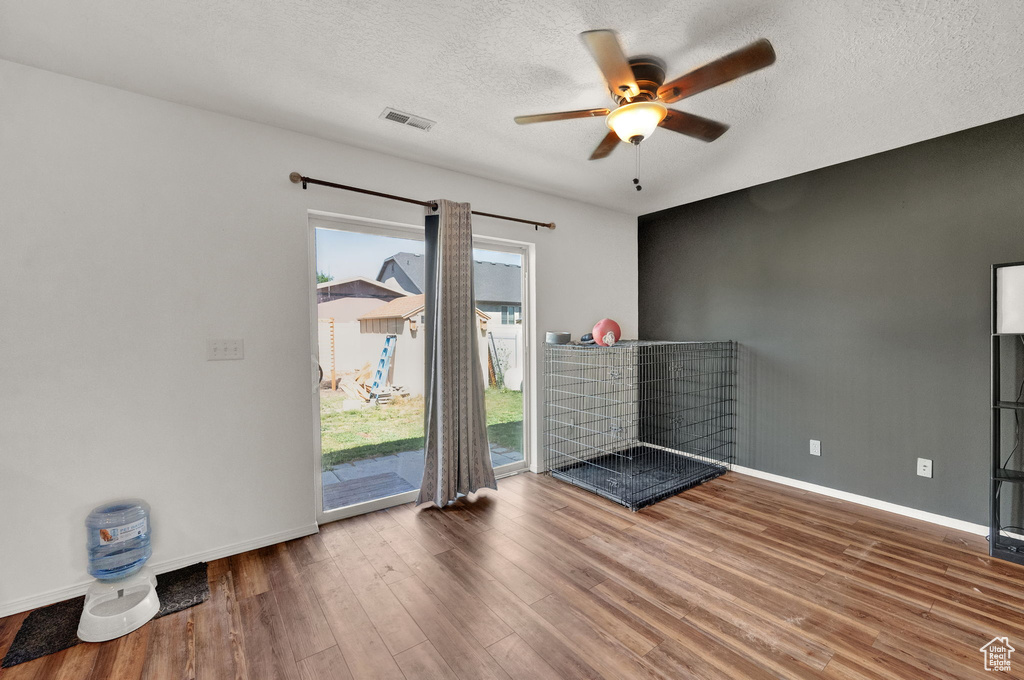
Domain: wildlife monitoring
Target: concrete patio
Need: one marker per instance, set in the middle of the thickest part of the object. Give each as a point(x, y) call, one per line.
point(365, 480)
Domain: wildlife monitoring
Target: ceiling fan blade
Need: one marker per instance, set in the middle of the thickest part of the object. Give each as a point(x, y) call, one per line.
point(607, 145)
point(704, 129)
point(604, 46)
point(561, 115)
point(745, 60)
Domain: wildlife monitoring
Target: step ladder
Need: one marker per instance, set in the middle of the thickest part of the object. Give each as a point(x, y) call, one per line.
point(380, 376)
point(492, 348)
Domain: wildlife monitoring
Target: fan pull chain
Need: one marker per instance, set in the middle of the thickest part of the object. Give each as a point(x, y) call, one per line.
point(636, 180)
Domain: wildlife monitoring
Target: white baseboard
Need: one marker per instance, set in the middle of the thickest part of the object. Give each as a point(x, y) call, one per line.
point(942, 520)
point(61, 594)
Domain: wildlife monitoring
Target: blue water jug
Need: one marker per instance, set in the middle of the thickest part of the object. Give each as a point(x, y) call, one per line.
point(118, 539)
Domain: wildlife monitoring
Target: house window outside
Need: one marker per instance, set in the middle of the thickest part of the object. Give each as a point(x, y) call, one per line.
point(511, 314)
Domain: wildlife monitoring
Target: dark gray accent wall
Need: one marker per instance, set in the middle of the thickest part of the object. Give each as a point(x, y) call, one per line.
point(860, 296)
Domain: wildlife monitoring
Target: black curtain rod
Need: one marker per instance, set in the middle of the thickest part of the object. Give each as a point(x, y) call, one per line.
point(296, 178)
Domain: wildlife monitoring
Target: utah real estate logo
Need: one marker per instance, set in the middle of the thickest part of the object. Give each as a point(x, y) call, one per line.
point(997, 654)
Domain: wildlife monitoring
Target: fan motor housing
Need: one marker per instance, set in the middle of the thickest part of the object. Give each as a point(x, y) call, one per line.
point(649, 73)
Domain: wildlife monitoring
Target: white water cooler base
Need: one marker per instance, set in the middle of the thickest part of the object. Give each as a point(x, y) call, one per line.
point(116, 608)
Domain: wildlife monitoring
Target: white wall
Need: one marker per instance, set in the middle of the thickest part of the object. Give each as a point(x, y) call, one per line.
point(113, 205)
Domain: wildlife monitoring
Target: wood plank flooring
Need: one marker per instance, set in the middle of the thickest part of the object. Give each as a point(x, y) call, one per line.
point(738, 578)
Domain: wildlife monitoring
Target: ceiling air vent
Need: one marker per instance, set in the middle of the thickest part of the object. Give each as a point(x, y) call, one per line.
point(407, 119)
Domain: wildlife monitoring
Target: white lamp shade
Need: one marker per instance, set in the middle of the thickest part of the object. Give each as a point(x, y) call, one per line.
point(1010, 299)
point(636, 120)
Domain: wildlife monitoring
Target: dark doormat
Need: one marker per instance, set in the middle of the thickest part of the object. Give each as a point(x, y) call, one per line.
point(50, 629)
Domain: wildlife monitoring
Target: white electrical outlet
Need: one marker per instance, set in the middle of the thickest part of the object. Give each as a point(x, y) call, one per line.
point(815, 447)
point(224, 349)
point(924, 467)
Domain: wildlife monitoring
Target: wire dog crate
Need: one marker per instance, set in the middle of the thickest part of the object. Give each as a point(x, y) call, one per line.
point(640, 421)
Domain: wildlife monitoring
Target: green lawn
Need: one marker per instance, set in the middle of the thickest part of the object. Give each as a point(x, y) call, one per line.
point(375, 431)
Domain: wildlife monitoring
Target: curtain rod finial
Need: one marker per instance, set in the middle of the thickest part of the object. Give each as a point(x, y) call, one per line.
point(295, 177)
point(551, 226)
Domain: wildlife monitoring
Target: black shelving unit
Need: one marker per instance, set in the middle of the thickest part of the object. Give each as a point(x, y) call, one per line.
point(1007, 481)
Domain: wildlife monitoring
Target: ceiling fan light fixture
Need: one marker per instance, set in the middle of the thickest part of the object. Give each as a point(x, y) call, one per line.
point(635, 122)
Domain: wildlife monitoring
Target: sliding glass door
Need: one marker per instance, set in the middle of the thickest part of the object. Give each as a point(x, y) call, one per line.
point(369, 340)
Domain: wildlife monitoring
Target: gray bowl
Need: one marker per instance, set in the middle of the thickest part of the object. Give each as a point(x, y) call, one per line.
point(557, 337)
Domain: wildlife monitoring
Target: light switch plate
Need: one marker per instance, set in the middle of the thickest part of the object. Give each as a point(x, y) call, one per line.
point(225, 349)
point(924, 467)
point(815, 447)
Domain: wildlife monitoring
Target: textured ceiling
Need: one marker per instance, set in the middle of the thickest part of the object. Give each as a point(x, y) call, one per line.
point(852, 78)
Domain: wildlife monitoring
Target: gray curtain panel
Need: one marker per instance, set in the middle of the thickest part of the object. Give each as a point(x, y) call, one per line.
point(457, 457)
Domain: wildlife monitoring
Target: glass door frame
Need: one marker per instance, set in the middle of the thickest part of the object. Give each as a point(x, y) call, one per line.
point(325, 220)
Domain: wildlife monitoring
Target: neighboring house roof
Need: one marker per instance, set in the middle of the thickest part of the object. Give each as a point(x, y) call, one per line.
point(493, 281)
point(388, 289)
point(403, 308)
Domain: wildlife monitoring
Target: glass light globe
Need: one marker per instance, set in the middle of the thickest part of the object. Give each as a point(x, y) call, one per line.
point(636, 120)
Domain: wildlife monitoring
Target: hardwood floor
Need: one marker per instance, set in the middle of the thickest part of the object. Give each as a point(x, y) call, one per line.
point(738, 578)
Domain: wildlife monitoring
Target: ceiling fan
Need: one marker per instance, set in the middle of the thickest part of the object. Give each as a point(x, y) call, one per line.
point(640, 92)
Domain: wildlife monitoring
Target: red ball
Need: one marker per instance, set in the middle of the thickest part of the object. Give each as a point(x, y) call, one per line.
point(606, 332)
